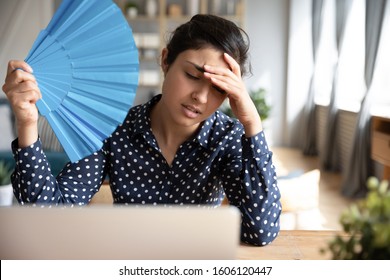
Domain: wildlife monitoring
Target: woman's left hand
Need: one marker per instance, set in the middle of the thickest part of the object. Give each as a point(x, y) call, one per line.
point(230, 81)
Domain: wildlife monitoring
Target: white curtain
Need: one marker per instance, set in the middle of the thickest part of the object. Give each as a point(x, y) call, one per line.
point(329, 158)
point(360, 165)
point(309, 120)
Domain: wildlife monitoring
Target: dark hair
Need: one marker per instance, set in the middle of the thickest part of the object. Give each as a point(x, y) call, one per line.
point(210, 30)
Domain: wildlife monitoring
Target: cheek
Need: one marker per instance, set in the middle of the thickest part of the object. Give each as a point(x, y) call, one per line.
point(215, 101)
point(175, 82)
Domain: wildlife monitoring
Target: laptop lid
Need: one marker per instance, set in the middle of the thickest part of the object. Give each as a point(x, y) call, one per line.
point(122, 232)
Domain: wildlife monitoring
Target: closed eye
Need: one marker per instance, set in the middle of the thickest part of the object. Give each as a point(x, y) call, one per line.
point(191, 76)
point(221, 91)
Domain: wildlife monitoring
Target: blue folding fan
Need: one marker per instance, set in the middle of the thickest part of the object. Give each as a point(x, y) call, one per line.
point(86, 65)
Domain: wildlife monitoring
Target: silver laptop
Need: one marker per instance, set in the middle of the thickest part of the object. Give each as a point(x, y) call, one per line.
point(114, 233)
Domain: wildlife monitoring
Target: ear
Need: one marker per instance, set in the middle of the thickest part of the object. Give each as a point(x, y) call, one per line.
point(164, 63)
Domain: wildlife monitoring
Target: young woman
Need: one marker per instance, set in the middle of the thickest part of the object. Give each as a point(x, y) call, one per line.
point(178, 148)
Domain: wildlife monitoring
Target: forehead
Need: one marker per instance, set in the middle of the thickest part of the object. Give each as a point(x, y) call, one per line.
point(209, 56)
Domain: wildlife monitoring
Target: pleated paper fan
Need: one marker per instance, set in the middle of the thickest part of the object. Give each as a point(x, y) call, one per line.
point(86, 65)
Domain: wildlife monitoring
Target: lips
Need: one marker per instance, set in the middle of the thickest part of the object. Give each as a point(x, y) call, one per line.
point(192, 108)
point(191, 111)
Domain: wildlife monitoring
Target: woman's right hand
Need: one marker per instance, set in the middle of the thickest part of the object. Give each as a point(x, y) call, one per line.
point(22, 91)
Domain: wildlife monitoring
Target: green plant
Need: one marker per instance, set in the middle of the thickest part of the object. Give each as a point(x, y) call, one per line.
point(131, 4)
point(5, 174)
point(259, 99)
point(367, 224)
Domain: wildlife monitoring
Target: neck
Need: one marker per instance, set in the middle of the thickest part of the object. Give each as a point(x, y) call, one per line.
point(168, 134)
point(166, 130)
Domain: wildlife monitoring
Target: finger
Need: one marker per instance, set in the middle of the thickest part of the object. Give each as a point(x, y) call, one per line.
point(225, 85)
point(12, 87)
point(28, 86)
point(224, 75)
point(234, 66)
point(18, 64)
point(218, 79)
point(223, 71)
point(231, 81)
point(18, 99)
point(17, 77)
point(219, 86)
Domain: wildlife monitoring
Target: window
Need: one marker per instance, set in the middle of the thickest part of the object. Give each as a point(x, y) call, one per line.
point(350, 79)
point(326, 56)
point(381, 79)
point(351, 84)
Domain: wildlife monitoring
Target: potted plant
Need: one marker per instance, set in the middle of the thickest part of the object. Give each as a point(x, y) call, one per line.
point(367, 226)
point(131, 9)
point(6, 192)
point(259, 99)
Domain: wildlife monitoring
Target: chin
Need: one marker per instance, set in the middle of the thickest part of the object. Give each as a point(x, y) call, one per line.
point(189, 122)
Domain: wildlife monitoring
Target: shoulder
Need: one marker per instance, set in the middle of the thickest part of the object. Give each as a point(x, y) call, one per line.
point(137, 121)
point(140, 114)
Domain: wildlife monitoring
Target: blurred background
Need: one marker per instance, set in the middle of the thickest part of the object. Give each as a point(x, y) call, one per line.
point(322, 67)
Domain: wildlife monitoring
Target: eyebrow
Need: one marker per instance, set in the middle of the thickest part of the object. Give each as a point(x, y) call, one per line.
point(201, 69)
point(198, 67)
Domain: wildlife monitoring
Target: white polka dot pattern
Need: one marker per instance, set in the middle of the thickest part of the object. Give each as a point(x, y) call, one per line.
point(219, 160)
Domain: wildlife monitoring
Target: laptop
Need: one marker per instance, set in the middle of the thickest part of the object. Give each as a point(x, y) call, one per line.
point(119, 232)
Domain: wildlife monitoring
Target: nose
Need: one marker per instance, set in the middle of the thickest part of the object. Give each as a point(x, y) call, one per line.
point(200, 94)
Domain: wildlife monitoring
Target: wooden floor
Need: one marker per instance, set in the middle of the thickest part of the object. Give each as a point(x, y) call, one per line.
point(311, 197)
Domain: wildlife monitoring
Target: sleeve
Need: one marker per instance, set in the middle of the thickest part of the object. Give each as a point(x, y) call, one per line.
point(33, 181)
point(251, 185)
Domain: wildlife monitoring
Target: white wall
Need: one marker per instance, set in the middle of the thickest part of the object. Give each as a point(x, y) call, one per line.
point(267, 26)
point(299, 67)
point(20, 23)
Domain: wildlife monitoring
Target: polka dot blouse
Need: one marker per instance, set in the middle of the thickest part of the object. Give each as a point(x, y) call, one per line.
point(218, 161)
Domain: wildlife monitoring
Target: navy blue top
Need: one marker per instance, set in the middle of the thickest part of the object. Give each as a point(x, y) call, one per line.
point(218, 160)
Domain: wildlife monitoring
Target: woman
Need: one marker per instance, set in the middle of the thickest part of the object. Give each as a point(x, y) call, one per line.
point(176, 149)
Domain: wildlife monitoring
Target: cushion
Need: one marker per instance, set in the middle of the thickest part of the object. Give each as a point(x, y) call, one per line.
point(300, 192)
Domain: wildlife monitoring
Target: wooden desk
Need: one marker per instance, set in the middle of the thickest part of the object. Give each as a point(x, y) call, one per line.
point(291, 245)
point(380, 146)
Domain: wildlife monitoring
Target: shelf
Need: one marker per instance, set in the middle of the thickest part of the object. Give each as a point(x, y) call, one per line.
point(380, 146)
point(150, 33)
point(141, 18)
